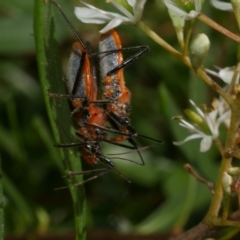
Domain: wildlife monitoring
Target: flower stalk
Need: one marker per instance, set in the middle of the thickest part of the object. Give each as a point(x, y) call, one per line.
point(226, 161)
point(156, 38)
point(208, 21)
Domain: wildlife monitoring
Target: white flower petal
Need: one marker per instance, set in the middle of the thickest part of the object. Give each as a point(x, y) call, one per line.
point(211, 126)
point(212, 72)
point(205, 143)
point(171, 5)
point(132, 3)
point(223, 117)
point(92, 14)
point(198, 5)
point(186, 124)
point(110, 14)
point(193, 136)
point(226, 74)
point(190, 127)
point(213, 119)
point(85, 15)
point(222, 5)
point(199, 111)
point(138, 9)
point(112, 24)
point(213, 115)
point(192, 14)
point(122, 9)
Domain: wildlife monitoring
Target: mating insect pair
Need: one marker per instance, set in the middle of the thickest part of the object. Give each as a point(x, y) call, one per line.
point(91, 114)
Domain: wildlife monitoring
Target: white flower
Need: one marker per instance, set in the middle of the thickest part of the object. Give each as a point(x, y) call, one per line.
point(226, 74)
point(91, 14)
point(173, 6)
point(223, 108)
point(212, 120)
point(222, 5)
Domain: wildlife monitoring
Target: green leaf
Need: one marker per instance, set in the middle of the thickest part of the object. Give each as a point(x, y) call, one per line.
point(58, 111)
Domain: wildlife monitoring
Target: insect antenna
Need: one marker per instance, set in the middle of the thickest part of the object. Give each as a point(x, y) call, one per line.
point(70, 24)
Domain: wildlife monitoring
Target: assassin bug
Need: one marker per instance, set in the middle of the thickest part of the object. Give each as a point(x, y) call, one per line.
point(82, 91)
point(86, 111)
point(114, 88)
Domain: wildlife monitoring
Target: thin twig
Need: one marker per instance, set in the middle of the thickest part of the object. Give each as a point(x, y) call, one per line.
point(203, 230)
point(218, 27)
point(189, 168)
point(199, 232)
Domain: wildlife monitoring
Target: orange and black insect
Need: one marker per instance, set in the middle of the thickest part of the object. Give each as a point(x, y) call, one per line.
point(82, 91)
point(114, 88)
point(92, 114)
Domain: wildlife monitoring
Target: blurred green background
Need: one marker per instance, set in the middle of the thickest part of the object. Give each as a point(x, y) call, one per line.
point(162, 198)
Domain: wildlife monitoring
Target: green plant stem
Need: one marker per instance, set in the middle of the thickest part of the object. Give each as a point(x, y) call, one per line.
point(219, 145)
point(217, 197)
point(225, 163)
point(141, 25)
point(50, 73)
point(218, 27)
point(236, 6)
point(226, 204)
point(203, 75)
point(227, 223)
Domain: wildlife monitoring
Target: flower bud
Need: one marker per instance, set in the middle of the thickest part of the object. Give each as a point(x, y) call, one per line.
point(233, 171)
point(199, 50)
point(194, 117)
point(226, 183)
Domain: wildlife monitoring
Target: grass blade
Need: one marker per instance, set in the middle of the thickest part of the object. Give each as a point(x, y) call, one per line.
point(59, 115)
